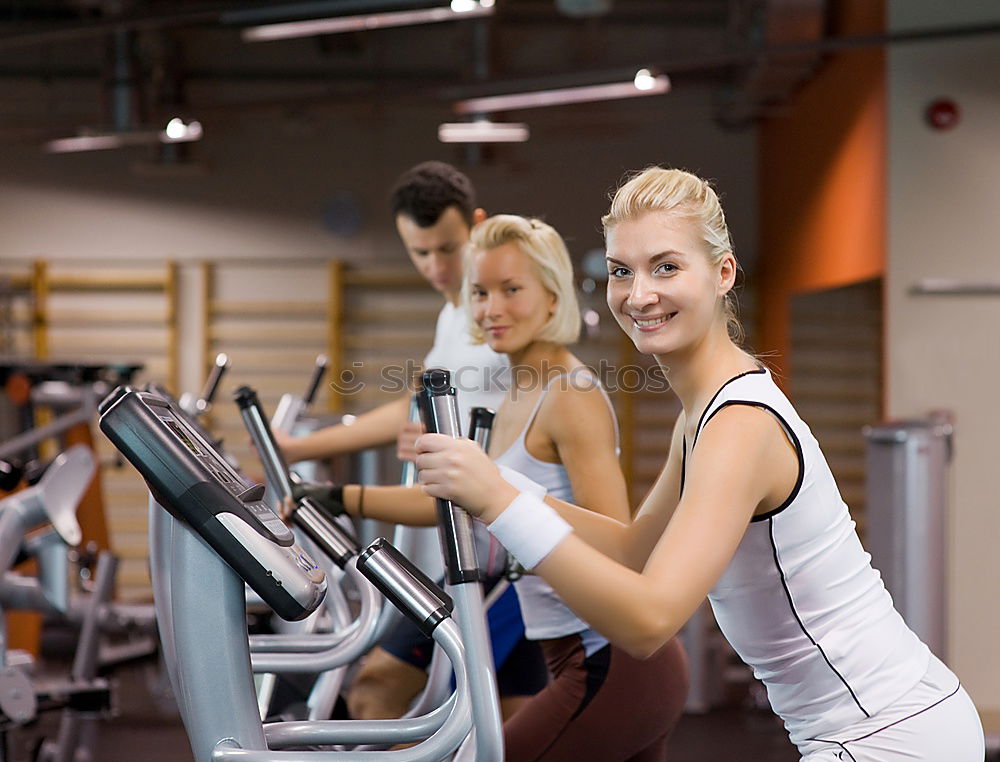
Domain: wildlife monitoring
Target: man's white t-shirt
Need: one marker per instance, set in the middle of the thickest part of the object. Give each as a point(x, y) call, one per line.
point(478, 374)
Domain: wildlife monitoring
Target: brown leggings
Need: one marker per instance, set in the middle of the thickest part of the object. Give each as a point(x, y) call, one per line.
point(607, 707)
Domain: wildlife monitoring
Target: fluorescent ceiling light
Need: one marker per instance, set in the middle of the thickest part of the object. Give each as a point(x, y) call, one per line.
point(176, 131)
point(644, 80)
point(644, 84)
point(464, 6)
point(460, 9)
point(84, 143)
point(179, 131)
point(483, 132)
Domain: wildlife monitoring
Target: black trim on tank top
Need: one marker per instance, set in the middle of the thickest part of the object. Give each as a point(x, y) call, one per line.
point(795, 613)
point(701, 420)
point(891, 724)
point(684, 462)
point(795, 441)
point(701, 423)
point(840, 754)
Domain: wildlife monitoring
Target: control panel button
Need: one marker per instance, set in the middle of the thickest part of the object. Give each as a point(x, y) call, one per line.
point(277, 528)
point(253, 494)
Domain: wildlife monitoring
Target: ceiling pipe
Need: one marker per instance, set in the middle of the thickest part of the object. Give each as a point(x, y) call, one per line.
point(481, 70)
point(218, 17)
point(584, 8)
point(239, 17)
point(123, 91)
point(314, 9)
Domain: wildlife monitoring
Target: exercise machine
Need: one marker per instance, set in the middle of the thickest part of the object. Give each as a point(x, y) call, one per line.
point(82, 696)
point(212, 537)
point(351, 639)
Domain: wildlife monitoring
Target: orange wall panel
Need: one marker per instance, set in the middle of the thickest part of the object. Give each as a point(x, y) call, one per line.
point(822, 184)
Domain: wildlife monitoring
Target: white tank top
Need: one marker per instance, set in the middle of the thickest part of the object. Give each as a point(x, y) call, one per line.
point(478, 373)
point(545, 615)
point(800, 601)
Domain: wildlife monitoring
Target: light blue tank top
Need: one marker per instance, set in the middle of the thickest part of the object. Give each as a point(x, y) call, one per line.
point(545, 615)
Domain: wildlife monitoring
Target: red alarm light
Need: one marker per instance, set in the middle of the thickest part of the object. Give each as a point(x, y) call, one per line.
point(942, 114)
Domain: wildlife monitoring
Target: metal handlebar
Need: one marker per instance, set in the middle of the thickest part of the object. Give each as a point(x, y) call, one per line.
point(318, 372)
point(439, 410)
point(212, 382)
point(481, 426)
point(327, 534)
point(263, 439)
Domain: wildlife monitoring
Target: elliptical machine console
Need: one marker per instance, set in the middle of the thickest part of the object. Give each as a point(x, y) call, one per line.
point(190, 479)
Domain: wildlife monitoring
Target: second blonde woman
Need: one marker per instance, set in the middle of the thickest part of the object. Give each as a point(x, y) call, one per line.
point(557, 427)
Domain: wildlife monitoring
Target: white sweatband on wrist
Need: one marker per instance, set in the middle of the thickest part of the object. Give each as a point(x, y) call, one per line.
point(521, 483)
point(529, 529)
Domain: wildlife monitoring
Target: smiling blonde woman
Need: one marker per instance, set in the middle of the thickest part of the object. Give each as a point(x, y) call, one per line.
point(745, 512)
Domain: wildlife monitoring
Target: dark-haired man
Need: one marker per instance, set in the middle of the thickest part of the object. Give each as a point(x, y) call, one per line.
point(434, 208)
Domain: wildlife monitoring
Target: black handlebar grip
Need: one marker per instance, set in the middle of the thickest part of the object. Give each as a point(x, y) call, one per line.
point(436, 381)
point(480, 419)
point(215, 378)
point(246, 397)
point(318, 372)
point(10, 475)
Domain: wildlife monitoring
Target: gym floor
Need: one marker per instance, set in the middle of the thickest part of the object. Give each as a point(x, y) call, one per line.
point(141, 731)
point(144, 732)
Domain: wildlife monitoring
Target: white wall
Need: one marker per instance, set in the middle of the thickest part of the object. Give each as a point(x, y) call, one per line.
point(267, 177)
point(943, 352)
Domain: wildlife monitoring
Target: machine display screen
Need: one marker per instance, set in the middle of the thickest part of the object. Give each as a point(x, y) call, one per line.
point(182, 436)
